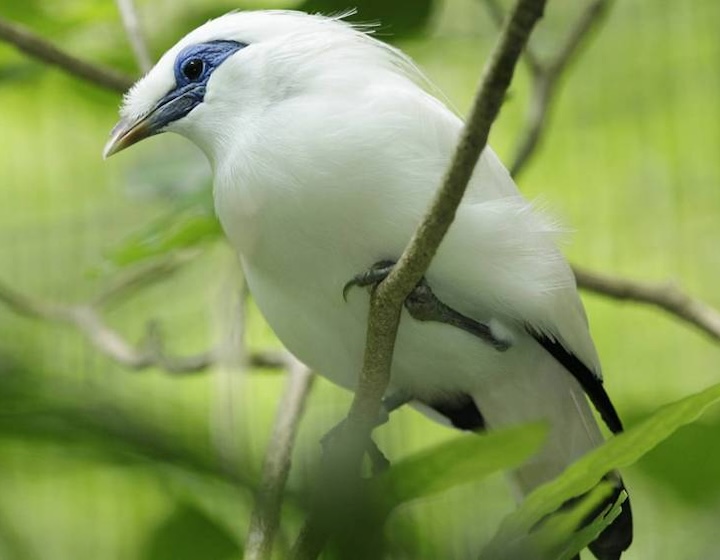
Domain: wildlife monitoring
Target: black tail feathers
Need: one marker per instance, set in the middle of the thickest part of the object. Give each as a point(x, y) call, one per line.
point(617, 537)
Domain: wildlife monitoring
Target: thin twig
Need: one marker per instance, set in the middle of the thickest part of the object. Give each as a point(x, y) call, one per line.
point(546, 78)
point(127, 284)
point(387, 300)
point(497, 14)
point(131, 23)
point(265, 518)
point(547, 75)
point(149, 353)
point(35, 46)
point(579, 34)
point(666, 296)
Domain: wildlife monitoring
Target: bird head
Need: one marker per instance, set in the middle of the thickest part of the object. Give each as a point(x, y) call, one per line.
point(214, 81)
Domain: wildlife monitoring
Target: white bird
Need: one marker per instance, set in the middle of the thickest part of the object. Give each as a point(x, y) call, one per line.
point(326, 148)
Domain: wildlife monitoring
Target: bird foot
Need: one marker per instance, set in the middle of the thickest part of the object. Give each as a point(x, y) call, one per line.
point(424, 305)
point(378, 461)
point(371, 277)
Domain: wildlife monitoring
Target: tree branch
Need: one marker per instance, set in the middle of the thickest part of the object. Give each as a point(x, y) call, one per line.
point(35, 46)
point(387, 300)
point(666, 296)
point(265, 518)
point(126, 284)
point(579, 34)
point(149, 353)
point(128, 14)
point(497, 14)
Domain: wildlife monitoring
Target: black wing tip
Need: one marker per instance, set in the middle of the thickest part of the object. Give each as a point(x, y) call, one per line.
point(589, 381)
point(618, 536)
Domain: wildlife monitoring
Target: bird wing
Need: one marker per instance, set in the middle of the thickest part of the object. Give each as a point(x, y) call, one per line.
point(516, 274)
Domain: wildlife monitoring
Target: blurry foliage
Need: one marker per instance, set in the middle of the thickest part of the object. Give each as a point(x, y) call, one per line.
point(33, 408)
point(191, 223)
point(396, 19)
point(455, 462)
point(692, 449)
point(179, 179)
point(189, 534)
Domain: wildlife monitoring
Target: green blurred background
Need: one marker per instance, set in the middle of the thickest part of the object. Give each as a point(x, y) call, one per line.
point(100, 462)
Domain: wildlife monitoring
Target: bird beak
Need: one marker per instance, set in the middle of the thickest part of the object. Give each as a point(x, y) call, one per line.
point(175, 105)
point(128, 132)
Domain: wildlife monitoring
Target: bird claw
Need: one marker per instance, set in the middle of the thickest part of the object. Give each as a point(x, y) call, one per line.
point(424, 305)
point(371, 277)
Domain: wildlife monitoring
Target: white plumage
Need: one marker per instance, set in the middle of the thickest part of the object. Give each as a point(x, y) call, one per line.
point(326, 149)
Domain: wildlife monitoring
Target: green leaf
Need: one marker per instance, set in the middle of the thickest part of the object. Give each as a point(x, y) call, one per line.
point(189, 534)
point(192, 224)
point(464, 459)
point(585, 536)
point(620, 451)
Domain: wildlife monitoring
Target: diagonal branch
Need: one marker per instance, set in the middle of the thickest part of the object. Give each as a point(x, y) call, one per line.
point(579, 34)
point(497, 14)
point(149, 353)
point(35, 46)
point(387, 300)
point(128, 13)
point(545, 80)
point(666, 296)
point(547, 75)
point(127, 284)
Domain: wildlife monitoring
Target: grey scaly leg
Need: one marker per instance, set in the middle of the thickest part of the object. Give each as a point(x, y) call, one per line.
point(423, 305)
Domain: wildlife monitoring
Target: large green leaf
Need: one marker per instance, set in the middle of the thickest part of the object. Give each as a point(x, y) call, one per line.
point(571, 542)
point(461, 460)
point(620, 451)
point(558, 537)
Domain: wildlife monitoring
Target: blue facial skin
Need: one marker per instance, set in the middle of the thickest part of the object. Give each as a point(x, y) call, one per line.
point(193, 67)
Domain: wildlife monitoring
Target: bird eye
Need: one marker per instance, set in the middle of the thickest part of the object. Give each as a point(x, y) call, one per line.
point(193, 69)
